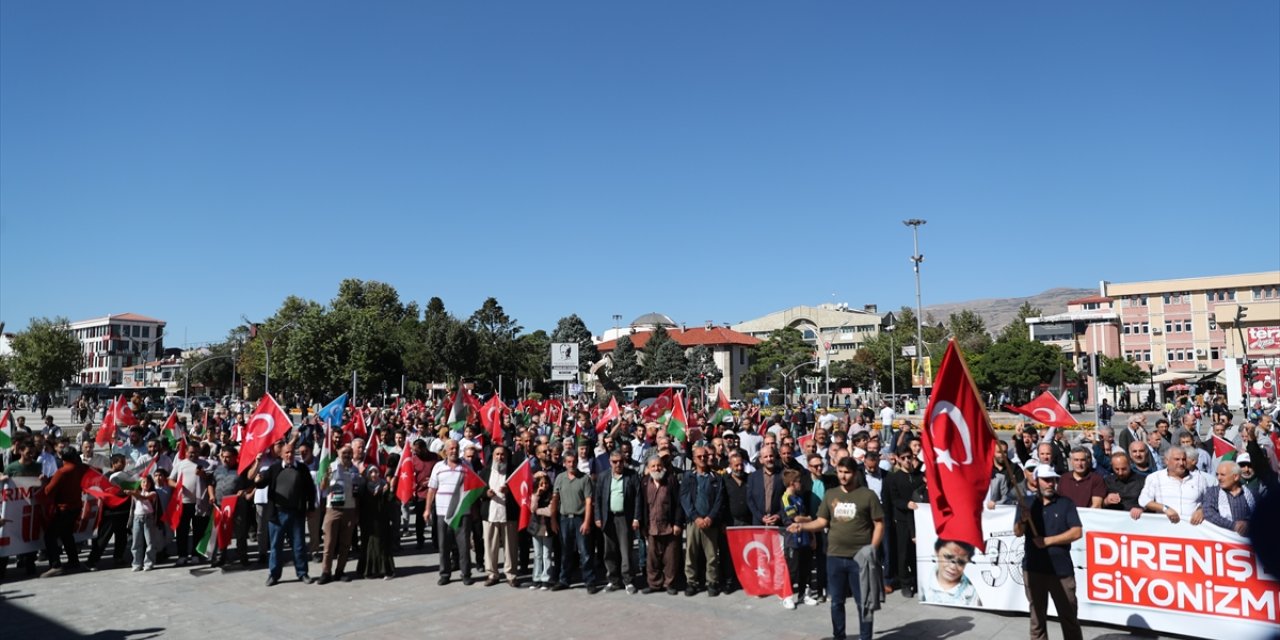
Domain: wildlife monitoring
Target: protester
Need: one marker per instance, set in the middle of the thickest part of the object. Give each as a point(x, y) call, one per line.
point(146, 533)
point(1050, 525)
point(291, 494)
point(616, 499)
point(572, 500)
point(379, 512)
point(1173, 491)
point(1229, 504)
point(702, 501)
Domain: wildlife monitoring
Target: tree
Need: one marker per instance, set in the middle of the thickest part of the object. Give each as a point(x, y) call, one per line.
point(1017, 329)
point(626, 363)
point(780, 353)
point(858, 372)
point(663, 358)
point(45, 355)
point(701, 368)
point(572, 329)
point(1018, 365)
point(535, 358)
point(970, 332)
point(1115, 372)
point(6, 370)
point(495, 335)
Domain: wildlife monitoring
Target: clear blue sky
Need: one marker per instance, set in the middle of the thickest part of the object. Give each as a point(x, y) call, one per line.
point(712, 160)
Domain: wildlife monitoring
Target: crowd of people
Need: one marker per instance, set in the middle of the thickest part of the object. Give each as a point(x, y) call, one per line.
point(629, 509)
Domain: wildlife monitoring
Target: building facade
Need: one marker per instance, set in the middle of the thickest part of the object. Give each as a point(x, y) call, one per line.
point(1090, 325)
point(833, 329)
point(728, 349)
point(115, 342)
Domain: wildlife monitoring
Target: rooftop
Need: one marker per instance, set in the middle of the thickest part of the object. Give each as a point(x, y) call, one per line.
point(686, 338)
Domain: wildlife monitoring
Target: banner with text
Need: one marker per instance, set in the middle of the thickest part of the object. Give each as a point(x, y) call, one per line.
point(22, 519)
point(1147, 573)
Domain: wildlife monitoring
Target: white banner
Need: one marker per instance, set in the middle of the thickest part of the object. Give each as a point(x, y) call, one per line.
point(1147, 574)
point(22, 520)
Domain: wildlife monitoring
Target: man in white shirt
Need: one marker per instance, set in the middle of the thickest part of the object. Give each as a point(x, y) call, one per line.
point(1173, 491)
point(749, 440)
point(446, 477)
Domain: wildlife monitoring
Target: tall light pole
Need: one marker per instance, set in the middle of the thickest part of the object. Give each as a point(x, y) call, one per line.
point(893, 371)
point(916, 259)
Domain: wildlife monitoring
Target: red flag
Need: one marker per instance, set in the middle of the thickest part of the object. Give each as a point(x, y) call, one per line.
point(172, 515)
point(373, 452)
point(97, 485)
point(803, 441)
point(223, 519)
point(122, 415)
point(1046, 410)
point(358, 426)
point(759, 561)
point(555, 412)
point(473, 403)
point(611, 413)
point(959, 445)
point(405, 479)
point(107, 433)
point(491, 416)
point(267, 425)
point(660, 405)
point(520, 484)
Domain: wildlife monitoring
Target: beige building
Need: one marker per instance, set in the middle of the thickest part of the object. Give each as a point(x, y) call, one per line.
point(833, 329)
point(112, 343)
point(1177, 329)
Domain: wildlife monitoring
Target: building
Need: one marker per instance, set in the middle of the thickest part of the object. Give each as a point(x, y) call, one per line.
point(1253, 336)
point(834, 329)
point(728, 347)
point(1090, 325)
point(1176, 328)
point(165, 373)
point(114, 342)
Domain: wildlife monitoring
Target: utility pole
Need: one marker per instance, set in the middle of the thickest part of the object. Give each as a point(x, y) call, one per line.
point(916, 259)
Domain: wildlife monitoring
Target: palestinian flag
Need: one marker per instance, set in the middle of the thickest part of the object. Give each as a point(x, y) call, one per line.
point(676, 420)
point(458, 410)
point(172, 432)
point(202, 546)
point(327, 456)
point(723, 412)
point(6, 430)
point(470, 490)
point(1223, 450)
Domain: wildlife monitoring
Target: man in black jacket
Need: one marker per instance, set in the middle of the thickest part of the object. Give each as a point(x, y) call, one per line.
point(291, 495)
point(901, 490)
point(617, 519)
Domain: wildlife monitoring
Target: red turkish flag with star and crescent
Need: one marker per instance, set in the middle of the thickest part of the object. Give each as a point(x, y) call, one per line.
point(659, 406)
point(759, 561)
point(491, 416)
point(223, 521)
point(555, 412)
point(405, 479)
point(1046, 410)
point(608, 414)
point(268, 424)
point(520, 484)
point(959, 447)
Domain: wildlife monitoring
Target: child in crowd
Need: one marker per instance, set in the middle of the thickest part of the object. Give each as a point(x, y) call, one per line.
point(798, 547)
point(543, 527)
point(146, 533)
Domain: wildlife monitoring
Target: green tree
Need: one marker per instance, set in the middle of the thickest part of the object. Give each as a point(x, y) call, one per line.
point(45, 355)
point(318, 354)
point(1017, 329)
point(571, 328)
point(535, 359)
point(495, 336)
point(1018, 365)
point(701, 369)
point(664, 359)
point(970, 332)
point(1115, 372)
point(6, 370)
point(626, 363)
point(858, 372)
point(784, 350)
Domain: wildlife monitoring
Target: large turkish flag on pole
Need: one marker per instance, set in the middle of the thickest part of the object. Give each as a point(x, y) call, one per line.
point(759, 561)
point(520, 484)
point(1046, 410)
point(959, 445)
point(267, 425)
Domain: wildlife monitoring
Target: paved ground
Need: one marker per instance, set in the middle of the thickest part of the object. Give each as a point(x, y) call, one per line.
point(200, 602)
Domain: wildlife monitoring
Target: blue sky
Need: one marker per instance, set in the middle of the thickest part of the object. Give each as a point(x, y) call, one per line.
point(710, 160)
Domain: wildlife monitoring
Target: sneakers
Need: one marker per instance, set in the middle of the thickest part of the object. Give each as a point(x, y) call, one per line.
point(560, 586)
point(610, 588)
point(535, 586)
point(647, 590)
point(631, 589)
point(272, 581)
point(544, 587)
point(810, 600)
point(593, 589)
point(789, 603)
point(148, 567)
point(137, 567)
point(306, 580)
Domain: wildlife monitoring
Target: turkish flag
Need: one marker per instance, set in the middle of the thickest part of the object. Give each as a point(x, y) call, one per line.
point(223, 519)
point(803, 440)
point(405, 479)
point(520, 484)
point(759, 561)
point(660, 405)
point(555, 412)
point(491, 416)
point(959, 445)
point(267, 425)
point(97, 485)
point(107, 432)
point(172, 515)
point(358, 426)
point(611, 413)
point(1046, 410)
point(121, 414)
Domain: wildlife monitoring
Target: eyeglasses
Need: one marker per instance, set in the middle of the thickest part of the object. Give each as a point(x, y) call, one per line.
point(615, 462)
point(701, 455)
point(956, 560)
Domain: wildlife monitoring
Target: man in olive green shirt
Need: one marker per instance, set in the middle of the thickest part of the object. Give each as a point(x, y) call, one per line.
point(856, 524)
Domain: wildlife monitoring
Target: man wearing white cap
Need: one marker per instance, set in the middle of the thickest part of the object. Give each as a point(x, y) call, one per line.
point(1050, 525)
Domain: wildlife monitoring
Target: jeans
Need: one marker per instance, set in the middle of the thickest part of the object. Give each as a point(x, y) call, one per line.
point(842, 581)
point(542, 559)
point(294, 525)
point(146, 535)
point(571, 541)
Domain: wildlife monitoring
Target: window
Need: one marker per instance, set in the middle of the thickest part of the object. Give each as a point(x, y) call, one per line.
point(1168, 326)
point(146, 332)
point(1146, 356)
point(1146, 328)
point(1168, 356)
point(1214, 353)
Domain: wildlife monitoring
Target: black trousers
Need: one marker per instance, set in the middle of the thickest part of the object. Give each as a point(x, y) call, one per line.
point(61, 536)
point(618, 535)
point(454, 541)
point(906, 553)
point(189, 521)
point(114, 525)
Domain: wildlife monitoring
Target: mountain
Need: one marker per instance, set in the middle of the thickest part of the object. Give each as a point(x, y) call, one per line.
point(998, 312)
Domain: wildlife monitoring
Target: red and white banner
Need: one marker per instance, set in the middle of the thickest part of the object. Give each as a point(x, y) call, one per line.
point(759, 560)
point(1148, 573)
point(1262, 339)
point(22, 519)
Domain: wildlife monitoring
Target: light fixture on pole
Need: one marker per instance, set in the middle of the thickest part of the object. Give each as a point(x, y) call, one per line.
point(916, 259)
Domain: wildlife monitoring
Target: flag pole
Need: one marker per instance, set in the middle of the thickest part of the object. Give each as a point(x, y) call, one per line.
point(353, 386)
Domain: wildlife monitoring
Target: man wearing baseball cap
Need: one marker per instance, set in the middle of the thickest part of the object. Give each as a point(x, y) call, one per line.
point(1050, 525)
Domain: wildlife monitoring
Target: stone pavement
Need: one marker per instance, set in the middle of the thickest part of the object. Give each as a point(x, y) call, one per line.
point(199, 602)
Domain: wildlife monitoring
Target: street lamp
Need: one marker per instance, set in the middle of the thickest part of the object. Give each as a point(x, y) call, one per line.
point(267, 344)
point(186, 386)
point(788, 374)
point(916, 259)
point(893, 370)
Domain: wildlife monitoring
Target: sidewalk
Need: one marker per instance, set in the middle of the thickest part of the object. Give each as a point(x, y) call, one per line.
point(200, 603)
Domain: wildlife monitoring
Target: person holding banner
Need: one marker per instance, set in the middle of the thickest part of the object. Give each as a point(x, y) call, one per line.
point(856, 524)
point(1050, 525)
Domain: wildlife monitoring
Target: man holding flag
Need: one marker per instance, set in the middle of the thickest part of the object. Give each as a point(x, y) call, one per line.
point(501, 515)
point(444, 491)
